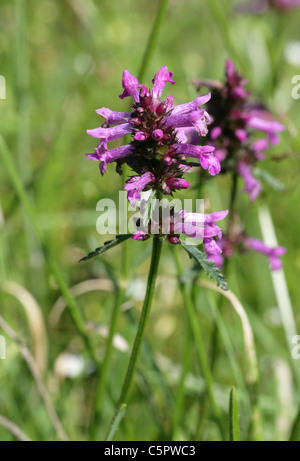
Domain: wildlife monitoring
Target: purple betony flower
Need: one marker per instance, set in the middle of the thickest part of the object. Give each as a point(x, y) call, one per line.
point(157, 128)
point(236, 125)
point(159, 153)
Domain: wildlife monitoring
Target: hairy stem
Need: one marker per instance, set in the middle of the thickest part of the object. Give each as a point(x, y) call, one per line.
point(156, 252)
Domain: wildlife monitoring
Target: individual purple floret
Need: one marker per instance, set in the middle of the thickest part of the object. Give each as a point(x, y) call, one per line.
point(240, 131)
point(158, 152)
point(272, 253)
point(237, 239)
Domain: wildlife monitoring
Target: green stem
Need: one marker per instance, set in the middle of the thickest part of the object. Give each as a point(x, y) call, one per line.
point(49, 257)
point(103, 373)
point(196, 330)
point(163, 4)
point(156, 252)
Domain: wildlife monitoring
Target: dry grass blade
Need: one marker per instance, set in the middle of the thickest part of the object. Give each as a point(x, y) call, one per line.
point(35, 319)
point(77, 290)
point(14, 429)
point(38, 379)
point(247, 330)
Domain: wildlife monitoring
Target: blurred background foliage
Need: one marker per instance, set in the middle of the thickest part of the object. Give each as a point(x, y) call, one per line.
point(61, 61)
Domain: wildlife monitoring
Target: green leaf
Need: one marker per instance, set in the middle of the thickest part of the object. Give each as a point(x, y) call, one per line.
point(209, 266)
point(234, 430)
point(107, 246)
point(269, 179)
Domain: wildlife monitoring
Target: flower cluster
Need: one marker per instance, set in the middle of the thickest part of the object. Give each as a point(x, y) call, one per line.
point(172, 223)
point(158, 149)
point(238, 239)
point(158, 153)
point(235, 125)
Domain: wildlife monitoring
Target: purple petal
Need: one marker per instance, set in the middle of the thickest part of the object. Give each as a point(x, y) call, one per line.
point(161, 78)
point(136, 184)
point(112, 155)
point(191, 106)
point(252, 185)
point(113, 118)
point(269, 126)
point(241, 135)
point(193, 151)
point(95, 157)
point(131, 87)
point(110, 134)
point(217, 259)
point(211, 246)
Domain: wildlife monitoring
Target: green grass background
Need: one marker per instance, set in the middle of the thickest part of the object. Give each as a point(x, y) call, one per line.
point(61, 61)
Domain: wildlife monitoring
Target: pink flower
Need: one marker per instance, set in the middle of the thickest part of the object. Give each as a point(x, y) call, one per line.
point(237, 239)
point(157, 144)
point(235, 122)
point(252, 185)
point(272, 253)
point(136, 184)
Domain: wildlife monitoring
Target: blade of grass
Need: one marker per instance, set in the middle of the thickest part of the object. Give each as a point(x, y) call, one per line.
point(198, 339)
point(280, 285)
point(14, 429)
point(49, 257)
point(234, 429)
point(103, 373)
point(252, 366)
point(114, 427)
point(216, 8)
point(163, 5)
point(179, 401)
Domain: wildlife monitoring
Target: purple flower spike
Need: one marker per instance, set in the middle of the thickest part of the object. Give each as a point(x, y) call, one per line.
point(157, 130)
point(235, 122)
